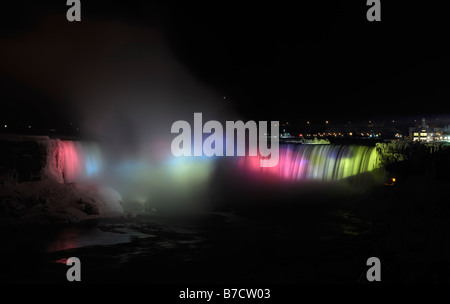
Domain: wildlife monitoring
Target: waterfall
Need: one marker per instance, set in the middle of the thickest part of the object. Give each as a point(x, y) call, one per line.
point(316, 162)
point(80, 160)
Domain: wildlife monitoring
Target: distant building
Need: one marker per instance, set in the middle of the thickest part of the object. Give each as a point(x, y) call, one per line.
point(424, 133)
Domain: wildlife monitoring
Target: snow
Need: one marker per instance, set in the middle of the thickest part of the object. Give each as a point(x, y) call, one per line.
point(53, 202)
point(51, 199)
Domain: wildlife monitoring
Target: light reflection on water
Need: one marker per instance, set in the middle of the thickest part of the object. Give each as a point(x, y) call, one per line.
point(76, 237)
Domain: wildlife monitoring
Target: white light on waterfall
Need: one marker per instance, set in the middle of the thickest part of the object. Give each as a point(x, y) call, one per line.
point(6, 126)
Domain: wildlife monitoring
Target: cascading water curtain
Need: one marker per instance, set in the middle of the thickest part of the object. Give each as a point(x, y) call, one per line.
point(317, 162)
point(81, 160)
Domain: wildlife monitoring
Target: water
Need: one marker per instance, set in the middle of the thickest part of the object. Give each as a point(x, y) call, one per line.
point(84, 160)
point(316, 162)
point(273, 228)
point(208, 248)
point(188, 182)
point(81, 160)
point(76, 237)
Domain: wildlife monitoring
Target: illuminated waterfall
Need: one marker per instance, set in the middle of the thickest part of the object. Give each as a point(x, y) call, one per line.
point(186, 179)
point(140, 179)
point(80, 160)
point(316, 162)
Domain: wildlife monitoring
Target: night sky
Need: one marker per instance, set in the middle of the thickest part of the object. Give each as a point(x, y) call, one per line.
point(272, 60)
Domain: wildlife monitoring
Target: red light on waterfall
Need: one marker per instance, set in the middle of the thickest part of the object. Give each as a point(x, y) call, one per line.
point(300, 135)
point(71, 162)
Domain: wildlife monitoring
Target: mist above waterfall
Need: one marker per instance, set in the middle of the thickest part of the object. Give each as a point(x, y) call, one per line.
point(126, 92)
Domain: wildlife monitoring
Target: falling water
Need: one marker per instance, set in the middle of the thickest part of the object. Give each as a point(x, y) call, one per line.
point(80, 160)
point(178, 179)
point(139, 180)
point(316, 162)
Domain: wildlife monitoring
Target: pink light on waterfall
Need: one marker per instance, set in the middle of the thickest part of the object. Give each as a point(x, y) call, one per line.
point(314, 162)
point(77, 161)
point(72, 167)
point(291, 165)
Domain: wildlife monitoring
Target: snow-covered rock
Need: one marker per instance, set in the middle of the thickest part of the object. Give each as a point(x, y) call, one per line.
point(36, 183)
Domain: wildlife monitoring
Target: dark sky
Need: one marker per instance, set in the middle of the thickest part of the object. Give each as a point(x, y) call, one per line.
point(272, 60)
